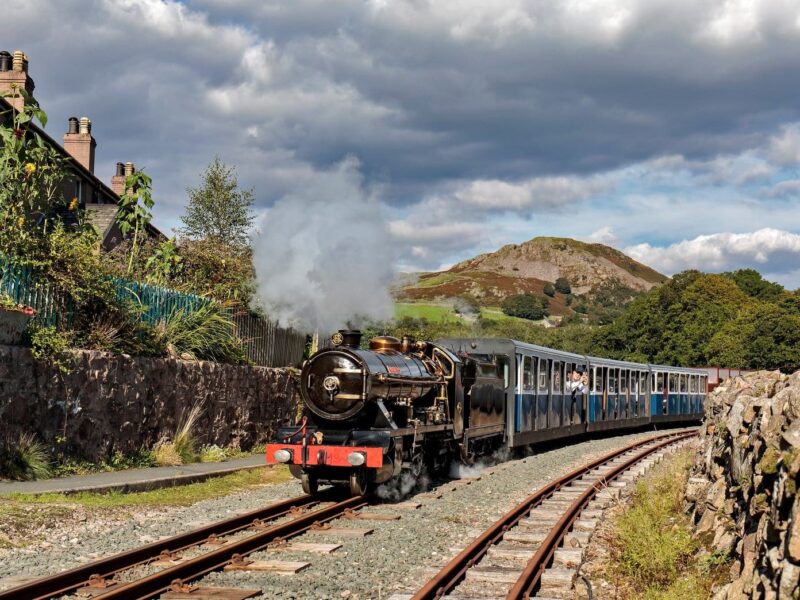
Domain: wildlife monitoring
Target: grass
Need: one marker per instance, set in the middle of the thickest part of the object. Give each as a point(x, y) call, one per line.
point(434, 280)
point(24, 459)
point(431, 312)
point(183, 495)
point(182, 449)
point(205, 333)
point(655, 556)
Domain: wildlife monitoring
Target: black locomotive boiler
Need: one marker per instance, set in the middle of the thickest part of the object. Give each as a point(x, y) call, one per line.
point(369, 414)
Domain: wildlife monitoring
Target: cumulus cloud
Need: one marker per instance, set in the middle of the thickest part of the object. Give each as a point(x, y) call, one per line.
point(604, 235)
point(481, 121)
point(769, 250)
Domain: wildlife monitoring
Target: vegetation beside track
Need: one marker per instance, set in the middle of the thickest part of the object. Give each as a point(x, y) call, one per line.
point(653, 554)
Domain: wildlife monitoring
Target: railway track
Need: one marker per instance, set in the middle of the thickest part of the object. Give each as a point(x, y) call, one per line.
point(511, 558)
point(228, 541)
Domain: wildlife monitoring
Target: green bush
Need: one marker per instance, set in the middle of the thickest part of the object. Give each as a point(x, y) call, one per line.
point(549, 289)
point(562, 286)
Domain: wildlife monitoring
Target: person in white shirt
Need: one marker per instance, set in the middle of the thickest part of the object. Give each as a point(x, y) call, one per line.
point(578, 384)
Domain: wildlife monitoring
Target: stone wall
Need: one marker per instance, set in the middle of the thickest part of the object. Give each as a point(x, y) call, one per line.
point(744, 486)
point(112, 403)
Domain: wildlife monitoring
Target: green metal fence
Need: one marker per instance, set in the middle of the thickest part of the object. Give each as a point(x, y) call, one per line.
point(265, 343)
point(23, 287)
point(157, 302)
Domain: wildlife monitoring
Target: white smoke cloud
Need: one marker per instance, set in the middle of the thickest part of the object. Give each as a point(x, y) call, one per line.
point(322, 253)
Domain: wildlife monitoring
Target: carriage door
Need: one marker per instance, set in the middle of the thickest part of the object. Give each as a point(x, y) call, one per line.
point(556, 396)
point(543, 393)
point(526, 399)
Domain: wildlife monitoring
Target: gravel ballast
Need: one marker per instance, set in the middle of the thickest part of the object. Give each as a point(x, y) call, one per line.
point(397, 557)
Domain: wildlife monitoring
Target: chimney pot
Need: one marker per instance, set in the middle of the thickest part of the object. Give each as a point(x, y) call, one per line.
point(86, 126)
point(129, 169)
point(72, 125)
point(19, 62)
point(5, 61)
point(120, 169)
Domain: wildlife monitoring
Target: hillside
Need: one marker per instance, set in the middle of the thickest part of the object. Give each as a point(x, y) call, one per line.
point(597, 274)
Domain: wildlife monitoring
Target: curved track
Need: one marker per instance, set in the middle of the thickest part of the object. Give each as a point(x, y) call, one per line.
point(602, 472)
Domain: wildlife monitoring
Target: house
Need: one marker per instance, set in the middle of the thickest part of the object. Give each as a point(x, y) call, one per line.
point(79, 146)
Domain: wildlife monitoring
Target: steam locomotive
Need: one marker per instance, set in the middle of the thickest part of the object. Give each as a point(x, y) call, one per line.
point(404, 405)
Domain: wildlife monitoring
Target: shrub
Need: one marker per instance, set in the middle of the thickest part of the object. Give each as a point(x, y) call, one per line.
point(549, 289)
point(27, 459)
point(562, 286)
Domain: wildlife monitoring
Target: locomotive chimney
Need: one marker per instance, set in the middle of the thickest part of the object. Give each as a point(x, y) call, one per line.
point(349, 337)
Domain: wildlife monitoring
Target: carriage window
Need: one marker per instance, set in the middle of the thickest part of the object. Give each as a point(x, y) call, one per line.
point(502, 369)
point(612, 381)
point(659, 382)
point(557, 371)
point(683, 384)
point(597, 379)
point(642, 382)
point(673, 383)
point(634, 382)
point(703, 384)
point(543, 372)
point(623, 381)
point(693, 384)
point(527, 373)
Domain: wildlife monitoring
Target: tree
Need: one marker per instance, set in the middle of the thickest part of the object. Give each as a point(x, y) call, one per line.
point(754, 285)
point(525, 306)
point(562, 286)
point(549, 289)
point(218, 210)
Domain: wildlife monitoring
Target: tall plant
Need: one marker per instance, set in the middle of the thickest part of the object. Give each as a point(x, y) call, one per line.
point(31, 173)
point(133, 212)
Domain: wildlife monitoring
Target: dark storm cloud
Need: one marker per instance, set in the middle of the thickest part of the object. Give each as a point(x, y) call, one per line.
point(483, 108)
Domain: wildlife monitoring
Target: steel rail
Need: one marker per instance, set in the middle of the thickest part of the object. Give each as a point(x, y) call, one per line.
point(160, 582)
point(531, 575)
point(68, 581)
point(453, 572)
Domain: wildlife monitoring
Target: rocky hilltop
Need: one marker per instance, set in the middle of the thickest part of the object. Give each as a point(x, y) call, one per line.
point(744, 491)
point(584, 265)
point(529, 267)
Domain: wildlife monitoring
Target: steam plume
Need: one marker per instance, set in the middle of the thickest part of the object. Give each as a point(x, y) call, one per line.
point(323, 256)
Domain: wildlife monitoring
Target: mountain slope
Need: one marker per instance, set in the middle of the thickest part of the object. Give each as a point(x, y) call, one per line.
point(593, 270)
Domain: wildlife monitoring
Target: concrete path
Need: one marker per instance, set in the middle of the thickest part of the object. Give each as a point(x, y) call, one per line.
point(132, 479)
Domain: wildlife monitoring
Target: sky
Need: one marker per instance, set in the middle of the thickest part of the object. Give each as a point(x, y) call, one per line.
point(669, 129)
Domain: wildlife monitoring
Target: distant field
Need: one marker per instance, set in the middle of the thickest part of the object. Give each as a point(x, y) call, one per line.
point(439, 312)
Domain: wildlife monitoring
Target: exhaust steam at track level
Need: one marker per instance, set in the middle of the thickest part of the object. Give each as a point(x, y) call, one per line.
point(323, 254)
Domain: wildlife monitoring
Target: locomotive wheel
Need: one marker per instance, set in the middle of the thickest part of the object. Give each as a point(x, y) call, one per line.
point(358, 482)
point(310, 483)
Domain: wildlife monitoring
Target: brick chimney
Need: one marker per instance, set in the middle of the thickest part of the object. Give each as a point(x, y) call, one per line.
point(14, 77)
point(118, 180)
point(78, 141)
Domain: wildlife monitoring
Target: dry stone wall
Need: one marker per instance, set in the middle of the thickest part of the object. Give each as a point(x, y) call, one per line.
point(743, 490)
point(111, 403)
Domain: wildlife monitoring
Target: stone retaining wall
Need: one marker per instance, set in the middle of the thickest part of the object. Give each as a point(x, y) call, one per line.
point(744, 486)
point(112, 403)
